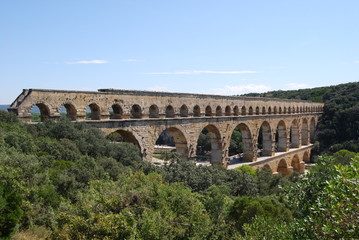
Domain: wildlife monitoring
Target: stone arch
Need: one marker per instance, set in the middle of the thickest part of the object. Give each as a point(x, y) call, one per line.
point(312, 130)
point(216, 144)
point(297, 111)
point(265, 133)
point(196, 111)
point(170, 112)
point(269, 110)
point(306, 157)
point(153, 111)
point(284, 110)
point(219, 111)
point(235, 111)
point(249, 154)
point(208, 111)
point(95, 113)
point(263, 110)
point(44, 110)
point(250, 111)
point(283, 168)
point(280, 110)
point(295, 134)
point(305, 132)
point(136, 111)
point(296, 163)
point(243, 111)
point(257, 110)
point(289, 110)
point(179, 140)
point(71, 111)
point(267, 166)
point(282, 136)
point(126, 136)
point(184, 111)
point(275, 110)
point(117, 112)
point(228, 111)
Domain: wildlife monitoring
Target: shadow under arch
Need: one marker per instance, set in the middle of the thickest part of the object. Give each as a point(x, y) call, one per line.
point(247, 143)
point(173, 136)
point(265, 143)
point(43, 109)
point(70, 110)
point(312, 130)
point(212, 144)
point(295, 134)
point(117, 111)
point(283, 168)
point(281, 138)
point(93, 112)
point(125, 136)
point(305, 132)
point(306, 157)
point(296, 163)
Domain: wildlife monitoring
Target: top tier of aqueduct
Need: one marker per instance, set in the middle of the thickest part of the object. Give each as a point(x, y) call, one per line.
point(125, 104)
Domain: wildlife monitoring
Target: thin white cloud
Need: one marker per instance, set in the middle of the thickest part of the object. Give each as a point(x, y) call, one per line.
point(88, 62)
point(298, 85)
point(356, 61)
point(190, 72)
point(240, 89)
point(130, 60)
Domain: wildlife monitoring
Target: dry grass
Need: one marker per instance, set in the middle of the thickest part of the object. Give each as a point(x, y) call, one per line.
point(35, 233)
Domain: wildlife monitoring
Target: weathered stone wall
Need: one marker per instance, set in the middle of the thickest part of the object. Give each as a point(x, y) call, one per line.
point(186, 133)
point(140, 117)
point(102, 103)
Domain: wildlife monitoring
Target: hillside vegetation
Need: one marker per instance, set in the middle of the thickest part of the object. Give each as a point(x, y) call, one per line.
point(61, 180)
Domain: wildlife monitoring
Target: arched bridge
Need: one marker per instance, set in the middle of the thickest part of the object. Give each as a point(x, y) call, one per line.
point(286, 127)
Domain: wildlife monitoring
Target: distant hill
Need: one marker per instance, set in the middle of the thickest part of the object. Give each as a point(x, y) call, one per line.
point(4, 107)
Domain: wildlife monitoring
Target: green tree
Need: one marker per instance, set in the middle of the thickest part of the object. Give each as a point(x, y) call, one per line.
point(327, 200)
point(11, 199)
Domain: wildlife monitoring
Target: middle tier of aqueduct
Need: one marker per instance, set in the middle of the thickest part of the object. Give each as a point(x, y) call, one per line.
point(141, 116)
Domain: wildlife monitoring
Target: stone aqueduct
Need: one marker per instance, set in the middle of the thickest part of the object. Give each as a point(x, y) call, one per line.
point(141, 116)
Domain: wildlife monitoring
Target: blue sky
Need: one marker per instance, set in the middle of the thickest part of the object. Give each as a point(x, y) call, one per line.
point(215, 47)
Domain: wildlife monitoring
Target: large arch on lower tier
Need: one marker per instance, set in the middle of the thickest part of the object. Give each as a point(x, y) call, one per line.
point(247, 143)
point(281, 138)
point(126, 136)
point(312, 130)
point(179, 140)
point(295, 140)
point(265, 143)
point(305, 132)
point(216, 150)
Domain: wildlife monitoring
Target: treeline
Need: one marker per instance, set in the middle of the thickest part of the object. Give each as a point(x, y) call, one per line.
point(309, 94)
point(61, 180)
